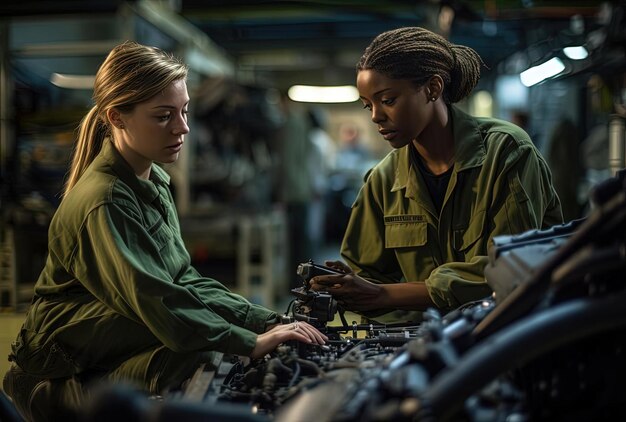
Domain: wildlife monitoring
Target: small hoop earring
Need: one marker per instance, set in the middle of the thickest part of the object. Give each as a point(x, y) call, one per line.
point(433, 99)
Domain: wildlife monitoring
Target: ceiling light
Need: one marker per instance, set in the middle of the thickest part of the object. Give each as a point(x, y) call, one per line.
point(323, 94)
point(536, 74)
point(73, 81)
point(576, 53)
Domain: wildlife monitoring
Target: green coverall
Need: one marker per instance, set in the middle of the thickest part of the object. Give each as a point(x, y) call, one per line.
point(499, 185)
point(118, 299)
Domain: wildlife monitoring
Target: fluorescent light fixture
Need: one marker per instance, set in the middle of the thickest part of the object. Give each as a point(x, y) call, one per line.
point(323, 94)
point(546, 70)
point(576, 53)
point(73, 81)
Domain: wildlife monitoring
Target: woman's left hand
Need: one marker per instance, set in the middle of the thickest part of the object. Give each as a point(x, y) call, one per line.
point(351, 291)
point(300, 331)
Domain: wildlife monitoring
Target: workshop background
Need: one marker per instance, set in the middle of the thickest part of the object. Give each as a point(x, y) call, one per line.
point(232, 185)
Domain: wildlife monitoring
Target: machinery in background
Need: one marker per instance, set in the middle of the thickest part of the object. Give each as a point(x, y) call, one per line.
point(549, 344)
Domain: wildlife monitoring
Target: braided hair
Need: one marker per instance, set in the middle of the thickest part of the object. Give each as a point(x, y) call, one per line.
point(416, 54)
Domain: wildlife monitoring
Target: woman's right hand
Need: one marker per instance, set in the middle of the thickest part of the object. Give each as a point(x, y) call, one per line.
point(354, 293)
point(300, 331)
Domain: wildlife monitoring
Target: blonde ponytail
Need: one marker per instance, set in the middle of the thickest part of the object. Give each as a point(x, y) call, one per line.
point(91, 134)
point(131, 74)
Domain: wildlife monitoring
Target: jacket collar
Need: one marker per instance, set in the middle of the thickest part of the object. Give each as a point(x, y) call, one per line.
point(146, 189)
point(469, 142)
point(470, 149)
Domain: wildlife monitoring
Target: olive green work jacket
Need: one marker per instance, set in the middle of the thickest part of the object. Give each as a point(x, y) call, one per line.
point(118, 281)
point(499, 185)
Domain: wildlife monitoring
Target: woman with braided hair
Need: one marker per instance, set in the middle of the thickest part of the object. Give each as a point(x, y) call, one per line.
point(421, 225)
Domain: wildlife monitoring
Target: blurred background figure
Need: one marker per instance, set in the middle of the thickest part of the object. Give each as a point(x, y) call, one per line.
point(321, 162)
point(594, 148)
point(522, 119)
point(352, 162)
point(564, 161)
point(352, 156)
point(594, 153)
point(294, 182)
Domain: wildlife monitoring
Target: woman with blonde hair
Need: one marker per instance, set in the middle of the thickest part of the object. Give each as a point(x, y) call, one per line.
point(118, 300)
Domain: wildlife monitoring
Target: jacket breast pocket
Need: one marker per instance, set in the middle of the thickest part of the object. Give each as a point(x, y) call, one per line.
point(406, 235)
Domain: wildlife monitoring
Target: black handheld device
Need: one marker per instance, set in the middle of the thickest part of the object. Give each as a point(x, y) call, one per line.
point(314, 307)
point(308, 270)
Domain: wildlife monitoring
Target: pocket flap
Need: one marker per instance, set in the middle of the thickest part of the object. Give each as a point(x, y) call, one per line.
point(405, 234)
